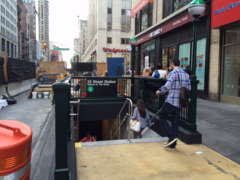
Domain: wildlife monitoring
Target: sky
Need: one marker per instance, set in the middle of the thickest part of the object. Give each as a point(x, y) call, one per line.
point(63, 23)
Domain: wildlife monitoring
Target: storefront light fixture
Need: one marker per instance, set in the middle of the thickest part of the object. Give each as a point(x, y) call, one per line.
point(196, 8)
point(133, 41)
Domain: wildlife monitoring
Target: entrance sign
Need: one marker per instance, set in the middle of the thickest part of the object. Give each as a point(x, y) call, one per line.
point(225, 12)
point(102, 88)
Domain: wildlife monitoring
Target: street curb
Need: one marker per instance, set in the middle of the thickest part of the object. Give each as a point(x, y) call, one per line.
point(37, 150)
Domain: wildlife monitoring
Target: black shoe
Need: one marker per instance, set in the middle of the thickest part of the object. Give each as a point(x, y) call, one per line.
point(172, 146)
point(170, 142)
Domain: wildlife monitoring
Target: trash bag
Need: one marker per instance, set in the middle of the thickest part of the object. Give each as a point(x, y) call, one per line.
point(9, 100)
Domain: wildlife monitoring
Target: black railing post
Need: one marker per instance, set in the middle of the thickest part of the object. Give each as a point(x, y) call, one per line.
point(133, 67)
point(143, 89)
point(62, 112)
point(161, 98)
point(192, 108)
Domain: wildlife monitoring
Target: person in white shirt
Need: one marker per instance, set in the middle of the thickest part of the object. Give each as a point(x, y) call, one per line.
point(161, 72)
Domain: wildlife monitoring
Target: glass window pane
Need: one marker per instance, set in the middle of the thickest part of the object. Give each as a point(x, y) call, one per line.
point(123, 4)
point(200, 62)
point(142, 64)
point(178, 4)
point(184, 55)
point(123, 12)
point(172, 53)
point(110, 3)
point(232, 36)
point(129, 5)
point(109, 55)
point(231, 74)
point(151, 62)
point(144, 18)
point(165, 58)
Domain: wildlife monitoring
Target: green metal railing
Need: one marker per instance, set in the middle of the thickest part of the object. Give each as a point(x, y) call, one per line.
point(135, 88)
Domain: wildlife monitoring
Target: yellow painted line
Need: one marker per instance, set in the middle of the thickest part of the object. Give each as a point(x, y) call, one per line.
point(78, 145)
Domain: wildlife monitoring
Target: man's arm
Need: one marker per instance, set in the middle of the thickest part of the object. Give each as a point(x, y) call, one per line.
point(164, 89)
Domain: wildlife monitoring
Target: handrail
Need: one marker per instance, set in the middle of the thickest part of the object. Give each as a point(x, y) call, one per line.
point(129, 114)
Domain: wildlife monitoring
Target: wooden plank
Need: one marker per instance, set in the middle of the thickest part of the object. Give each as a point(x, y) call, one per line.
point(101, 69)
point(52, 67)
point(31, 90)
point(42, 90)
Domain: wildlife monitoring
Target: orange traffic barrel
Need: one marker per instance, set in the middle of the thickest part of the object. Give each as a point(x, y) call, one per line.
point(15, 150)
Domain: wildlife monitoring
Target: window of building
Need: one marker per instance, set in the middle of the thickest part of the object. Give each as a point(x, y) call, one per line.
point(144, 18)
point(3, 44)
point(8, 48)
point(109, 40)
point(109, 55)
point(109, 14)
point(124, 40)
point(12, 53)
point(126, 15)
point(170, 6)
point(231, 63)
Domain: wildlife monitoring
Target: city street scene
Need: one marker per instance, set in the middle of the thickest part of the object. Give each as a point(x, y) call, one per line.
point(120, 90)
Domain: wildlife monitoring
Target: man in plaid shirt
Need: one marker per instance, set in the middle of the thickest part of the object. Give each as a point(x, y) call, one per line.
point(172, 105)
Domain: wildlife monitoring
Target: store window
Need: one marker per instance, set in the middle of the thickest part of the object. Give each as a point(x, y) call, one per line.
point(144, 18)
point(168, 54)
point(147, 55)
point(201, 62)
point(184, 54)
point(231, 63)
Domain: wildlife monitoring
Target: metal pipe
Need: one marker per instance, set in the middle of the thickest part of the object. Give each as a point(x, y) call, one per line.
point(129, 109)
point(119, 122)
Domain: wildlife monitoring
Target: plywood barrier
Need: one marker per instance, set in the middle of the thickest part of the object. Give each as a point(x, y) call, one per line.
point(52, 67)
point(101, 69)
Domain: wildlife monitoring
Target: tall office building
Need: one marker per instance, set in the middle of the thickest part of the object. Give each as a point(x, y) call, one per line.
point(30, 1)
point(108, 30)
point(83, 34)
point(76, 47)
point(31, 9)
point(43, 25)
point(8, 27)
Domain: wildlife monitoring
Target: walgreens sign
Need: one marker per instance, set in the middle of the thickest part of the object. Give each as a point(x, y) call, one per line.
point(115, 50)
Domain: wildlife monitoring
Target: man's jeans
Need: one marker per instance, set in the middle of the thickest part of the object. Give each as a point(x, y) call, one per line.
point(167, 108)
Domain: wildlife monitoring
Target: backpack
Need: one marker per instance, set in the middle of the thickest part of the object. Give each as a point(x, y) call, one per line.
point(156, 74)
point(184, 95)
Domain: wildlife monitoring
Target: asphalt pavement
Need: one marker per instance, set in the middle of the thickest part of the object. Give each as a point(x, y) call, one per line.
point(33, 113)
point(219, 125)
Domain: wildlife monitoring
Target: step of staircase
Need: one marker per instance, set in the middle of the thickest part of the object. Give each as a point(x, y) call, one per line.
point(123, 141)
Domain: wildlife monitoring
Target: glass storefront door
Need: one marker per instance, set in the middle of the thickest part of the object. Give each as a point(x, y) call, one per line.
point(231, 67)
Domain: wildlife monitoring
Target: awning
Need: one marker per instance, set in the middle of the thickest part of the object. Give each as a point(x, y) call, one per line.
point(139, 6)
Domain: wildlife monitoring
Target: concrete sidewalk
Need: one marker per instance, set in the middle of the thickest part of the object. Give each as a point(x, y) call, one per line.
point(219, 125)
point(149, 161)
point(33, 113)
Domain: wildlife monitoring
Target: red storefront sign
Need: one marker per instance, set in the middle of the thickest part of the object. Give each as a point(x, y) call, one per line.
point(184, 19)
point(225, 12)
point(115, 50)
point(139, 6)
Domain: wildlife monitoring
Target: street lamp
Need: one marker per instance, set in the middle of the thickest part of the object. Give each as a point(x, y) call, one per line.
point(196, 8)
point(133, 42)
